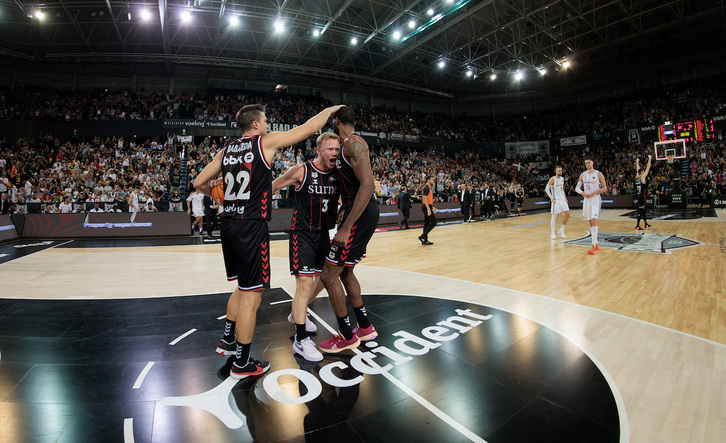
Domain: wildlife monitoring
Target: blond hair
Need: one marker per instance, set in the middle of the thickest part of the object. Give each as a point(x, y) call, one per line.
point(326, 136)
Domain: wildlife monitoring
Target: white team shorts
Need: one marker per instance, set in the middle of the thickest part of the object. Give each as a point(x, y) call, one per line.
point(198, 212)
point(591, 207)
point(559, 206)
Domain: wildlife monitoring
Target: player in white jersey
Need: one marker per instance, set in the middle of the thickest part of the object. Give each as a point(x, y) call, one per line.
point(555, 190)
point(590, 185)
point(133, 200)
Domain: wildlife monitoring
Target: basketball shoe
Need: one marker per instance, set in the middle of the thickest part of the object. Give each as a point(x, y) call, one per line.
point(365, 334)
point(336, 343)
point(638, 228)
point(225, 348)
point(593, 249)
point(553, 236)
point(307, 349)
point(251, 369)
point(309, 325)
point(647, 226)
point(562, 232)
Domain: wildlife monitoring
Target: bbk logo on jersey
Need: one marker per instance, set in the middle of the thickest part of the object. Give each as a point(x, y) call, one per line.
point(315, 174)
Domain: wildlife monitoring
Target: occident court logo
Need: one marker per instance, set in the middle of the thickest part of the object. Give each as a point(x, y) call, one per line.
point(440, 356)
point(652, 242)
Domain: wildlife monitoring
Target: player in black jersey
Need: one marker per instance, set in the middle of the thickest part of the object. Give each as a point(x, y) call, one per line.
point(641, 191)
point(316, 208)
point(359, 221)
point(244, 167)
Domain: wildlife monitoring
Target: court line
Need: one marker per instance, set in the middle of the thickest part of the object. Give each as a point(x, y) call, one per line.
point(128, 430)
point(221, 317)
point(181, 337)
point(142, 375)
point(281, 301)
point(399, 384)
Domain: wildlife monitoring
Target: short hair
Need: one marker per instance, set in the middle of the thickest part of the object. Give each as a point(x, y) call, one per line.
point(345, 115)
point(247, 115)
point(326, 136)
point(559, 166)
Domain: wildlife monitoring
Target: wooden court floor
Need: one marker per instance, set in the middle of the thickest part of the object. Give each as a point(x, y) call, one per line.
point(654, 322)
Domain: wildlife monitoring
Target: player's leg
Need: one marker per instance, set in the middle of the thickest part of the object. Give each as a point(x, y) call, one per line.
point(561, 231)
point(364, 329)
point(227, 345)
point(244, 366)
point(553, 220)
point(345, 339)
point(302, 344)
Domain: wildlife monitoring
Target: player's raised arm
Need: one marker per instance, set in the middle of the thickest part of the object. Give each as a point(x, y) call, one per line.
point(294, 175)
point(276, 140)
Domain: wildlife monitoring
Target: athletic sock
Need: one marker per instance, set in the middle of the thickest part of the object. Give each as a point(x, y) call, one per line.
point(562, 228)
point(593, 231)
point(552, 222)
point(344, 326)
point(300, 332)
point(229, 331)
point(243, 353)
point(362, 316)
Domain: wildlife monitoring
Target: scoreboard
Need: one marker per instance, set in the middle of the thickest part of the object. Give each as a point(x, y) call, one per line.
point(694, 130)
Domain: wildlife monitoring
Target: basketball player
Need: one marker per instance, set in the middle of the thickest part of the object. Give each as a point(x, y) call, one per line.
point(245, 167)
point(555, 190)
point(195, 207)
point(316, 208)
point(133, 200)
point(427, 206)
point(590, 185)
point(519, 195)
point(359, 220)
point(641, 191)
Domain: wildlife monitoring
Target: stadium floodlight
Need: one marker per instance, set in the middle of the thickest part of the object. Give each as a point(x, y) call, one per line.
point(233, 21)
point(469, 73)
point(396, 35)
point(518, 76)
point(430, 12)
point(279, 27)
point(493, 76)
point(40, 15)
point(186, 16)
point(354, 41)
point(566, 64)
point(316, 32)
point(442, 64)
point(145, 15)
point(412, 24)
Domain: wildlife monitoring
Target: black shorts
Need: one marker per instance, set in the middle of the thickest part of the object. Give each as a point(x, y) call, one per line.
point(246, 249)
point(307, 252)
point(360, 234)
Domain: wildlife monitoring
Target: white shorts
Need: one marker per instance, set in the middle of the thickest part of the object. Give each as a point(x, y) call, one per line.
point(591, 207)
point(198, 212)
point(559, 206)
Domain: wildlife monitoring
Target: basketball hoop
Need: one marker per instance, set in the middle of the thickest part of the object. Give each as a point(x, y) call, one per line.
point(670, 158)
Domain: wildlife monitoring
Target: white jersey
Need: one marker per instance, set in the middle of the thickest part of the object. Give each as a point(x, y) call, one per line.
point(591, 182)
point(559, 188)
point(134, 202)
point(197, 204)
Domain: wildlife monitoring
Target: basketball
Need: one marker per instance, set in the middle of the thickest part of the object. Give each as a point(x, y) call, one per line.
point(217, 190)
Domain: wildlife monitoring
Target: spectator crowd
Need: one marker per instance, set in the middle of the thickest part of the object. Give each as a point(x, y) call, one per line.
point(52, 171)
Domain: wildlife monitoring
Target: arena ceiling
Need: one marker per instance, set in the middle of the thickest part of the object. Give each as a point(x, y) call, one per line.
point(399, 43)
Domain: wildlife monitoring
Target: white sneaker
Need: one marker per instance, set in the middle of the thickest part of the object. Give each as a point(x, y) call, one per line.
point(562, 233)
point(553, 236)
point(309, 325)
point(307, 349)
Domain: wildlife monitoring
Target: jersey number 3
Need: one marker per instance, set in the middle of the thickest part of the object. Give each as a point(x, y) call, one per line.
point(243, 178)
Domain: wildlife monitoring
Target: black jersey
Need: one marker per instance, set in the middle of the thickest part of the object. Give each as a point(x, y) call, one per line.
point(247, 180)
point(349, 183)
point(316, 200)
point(641, 188)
